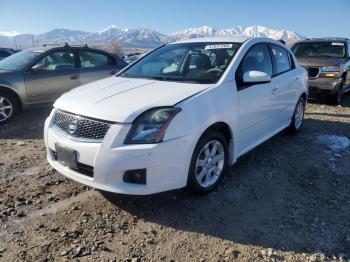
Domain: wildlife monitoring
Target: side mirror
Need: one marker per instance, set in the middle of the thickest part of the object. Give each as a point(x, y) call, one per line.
point(36, 70)
point(256, 77)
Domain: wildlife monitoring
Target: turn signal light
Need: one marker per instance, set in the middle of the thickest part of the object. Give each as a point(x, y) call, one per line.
point(330, 75)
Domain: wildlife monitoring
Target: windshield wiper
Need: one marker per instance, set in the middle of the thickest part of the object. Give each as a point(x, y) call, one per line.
point(128, 76)
point(161, 78)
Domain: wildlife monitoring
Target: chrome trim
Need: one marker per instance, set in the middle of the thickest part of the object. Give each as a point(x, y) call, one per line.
point(77, 139)
point(64, 133)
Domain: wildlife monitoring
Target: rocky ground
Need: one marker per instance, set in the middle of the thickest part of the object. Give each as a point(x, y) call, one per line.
point(287, 200)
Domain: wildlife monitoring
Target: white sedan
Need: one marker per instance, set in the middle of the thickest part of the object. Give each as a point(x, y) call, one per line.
point(179, 116)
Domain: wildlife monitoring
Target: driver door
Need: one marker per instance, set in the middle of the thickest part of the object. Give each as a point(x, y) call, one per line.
point(257, 101)
point(51, 76)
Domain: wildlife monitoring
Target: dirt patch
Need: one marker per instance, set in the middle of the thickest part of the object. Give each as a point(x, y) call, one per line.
point(287, 200)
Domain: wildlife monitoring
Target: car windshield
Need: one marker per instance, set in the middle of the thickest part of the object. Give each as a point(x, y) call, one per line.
point(320, 49)
point(19, 60)
point(186, 62)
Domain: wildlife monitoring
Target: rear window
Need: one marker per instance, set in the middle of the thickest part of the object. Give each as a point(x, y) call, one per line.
point(320, 49)
point(93, 59)
point(282, 59)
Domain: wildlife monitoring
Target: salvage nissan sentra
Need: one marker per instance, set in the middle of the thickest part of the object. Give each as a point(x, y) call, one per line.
point(179, 116)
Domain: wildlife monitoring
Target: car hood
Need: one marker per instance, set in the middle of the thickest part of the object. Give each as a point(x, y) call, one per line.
point(321, 61)
point(121, 99)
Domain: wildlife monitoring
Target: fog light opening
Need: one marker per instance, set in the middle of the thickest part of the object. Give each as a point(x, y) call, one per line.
point(137, 176)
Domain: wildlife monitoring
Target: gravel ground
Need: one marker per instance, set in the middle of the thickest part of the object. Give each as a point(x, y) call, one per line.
point(287, 200)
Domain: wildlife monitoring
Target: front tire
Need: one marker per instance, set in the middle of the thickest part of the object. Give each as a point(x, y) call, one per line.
point(336, 99)
point(208, 163)
point(8, 107)
point(298, 116)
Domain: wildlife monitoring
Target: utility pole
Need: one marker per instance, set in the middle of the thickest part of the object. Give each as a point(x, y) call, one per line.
point(33, 40)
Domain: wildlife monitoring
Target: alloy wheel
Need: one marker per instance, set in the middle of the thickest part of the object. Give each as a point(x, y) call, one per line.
point(210, 163)
point(6, 109)
point(299, 114)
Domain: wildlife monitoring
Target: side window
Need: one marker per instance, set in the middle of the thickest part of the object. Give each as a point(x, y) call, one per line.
point(60, 60)
point(90, 59)
point(282, 59)
point(257, 59)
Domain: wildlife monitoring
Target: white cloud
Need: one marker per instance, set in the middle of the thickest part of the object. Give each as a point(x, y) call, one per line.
point(10, 34)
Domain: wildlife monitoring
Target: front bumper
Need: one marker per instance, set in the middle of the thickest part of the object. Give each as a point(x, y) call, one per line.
point(166, 163)
point(324, 85)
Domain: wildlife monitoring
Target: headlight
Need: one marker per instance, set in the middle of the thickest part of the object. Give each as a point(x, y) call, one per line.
point(330, 69)
point(150, 126)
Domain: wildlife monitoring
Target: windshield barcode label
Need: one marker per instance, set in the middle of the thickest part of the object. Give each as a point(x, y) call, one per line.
point(219, 46)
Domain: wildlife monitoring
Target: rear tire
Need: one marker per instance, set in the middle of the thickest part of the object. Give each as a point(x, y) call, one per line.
point(8, 107)
point(298, 116)
point(209, 163)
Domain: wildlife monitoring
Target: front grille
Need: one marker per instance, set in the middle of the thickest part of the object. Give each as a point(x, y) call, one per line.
point(313, 71)
point(80, 127)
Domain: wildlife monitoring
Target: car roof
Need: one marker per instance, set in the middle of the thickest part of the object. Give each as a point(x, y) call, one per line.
point(324, 39)
point(235, 39)
point(60, 47)
point(228, 39)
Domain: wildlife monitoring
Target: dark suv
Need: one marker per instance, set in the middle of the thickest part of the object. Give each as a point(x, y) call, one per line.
point(40, 75)
point(328, 63)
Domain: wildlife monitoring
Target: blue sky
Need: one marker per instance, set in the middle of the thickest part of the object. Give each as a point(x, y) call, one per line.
point(306, 17)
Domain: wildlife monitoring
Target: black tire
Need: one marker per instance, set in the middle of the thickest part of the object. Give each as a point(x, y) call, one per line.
point(337, 98)
point(193, 184)
point(295, 126)
point(12, 101)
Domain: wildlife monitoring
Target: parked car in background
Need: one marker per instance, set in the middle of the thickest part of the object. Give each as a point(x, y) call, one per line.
point(328, 63)
point(38, 76)
point(6, 52)
point(178, 116)
point(130, 58)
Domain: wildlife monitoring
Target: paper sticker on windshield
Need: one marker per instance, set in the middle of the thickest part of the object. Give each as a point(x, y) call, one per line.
point(338, 44)
point(219, 46)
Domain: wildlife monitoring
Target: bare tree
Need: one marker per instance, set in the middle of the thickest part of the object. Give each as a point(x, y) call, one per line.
point(113, 47)
point(116, 48)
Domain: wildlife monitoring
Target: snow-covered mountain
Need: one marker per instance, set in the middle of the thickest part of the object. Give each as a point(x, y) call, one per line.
point(139, 37)
point(251, 31)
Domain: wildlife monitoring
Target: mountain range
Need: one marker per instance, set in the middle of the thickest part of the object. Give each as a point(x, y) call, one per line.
point(138, 37)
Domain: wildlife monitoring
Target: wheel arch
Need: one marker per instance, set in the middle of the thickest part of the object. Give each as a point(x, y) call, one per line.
point(227, 132)
point(344, 75)
point(10, 91)
point(304, 95)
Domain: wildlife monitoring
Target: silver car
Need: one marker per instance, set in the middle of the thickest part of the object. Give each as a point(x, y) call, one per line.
point(38, 76)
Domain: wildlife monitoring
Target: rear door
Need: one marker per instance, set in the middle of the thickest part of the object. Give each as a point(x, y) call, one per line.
point(51, 76)
point(257, 102)
point(287, 80)
point(96, 65)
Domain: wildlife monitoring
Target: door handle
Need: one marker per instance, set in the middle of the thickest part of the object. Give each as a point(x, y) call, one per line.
point(296, 79)
point(275, 90)
point(73, 77)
